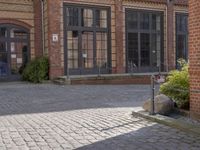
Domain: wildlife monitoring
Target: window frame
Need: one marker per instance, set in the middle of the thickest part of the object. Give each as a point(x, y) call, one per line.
point(184, 33)
point(80, 29)
point(139, 31)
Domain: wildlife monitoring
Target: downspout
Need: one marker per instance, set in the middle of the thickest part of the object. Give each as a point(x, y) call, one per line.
point(167, 61)
point(43, 31)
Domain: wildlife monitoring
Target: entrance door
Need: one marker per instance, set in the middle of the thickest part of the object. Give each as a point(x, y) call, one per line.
point(144, 41)
point(87, 47)
point(14, 50)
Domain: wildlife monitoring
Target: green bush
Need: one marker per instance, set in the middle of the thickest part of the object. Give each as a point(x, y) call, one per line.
point(177, 86)
point(37, 70)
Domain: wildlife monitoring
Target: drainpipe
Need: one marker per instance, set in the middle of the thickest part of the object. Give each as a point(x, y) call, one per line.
point(43, 32)
point(167, 67)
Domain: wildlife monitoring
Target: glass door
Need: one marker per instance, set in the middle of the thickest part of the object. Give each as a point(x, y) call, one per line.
point(3, 59)
point(144, 41)
point(87, 37)
point(14, 50)
point(3, 52)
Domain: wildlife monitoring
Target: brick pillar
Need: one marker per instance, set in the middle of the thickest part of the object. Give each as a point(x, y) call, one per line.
point(194, 57)
point(170, 36)
point(54, 46)
point(38, 28)
point(119, 36)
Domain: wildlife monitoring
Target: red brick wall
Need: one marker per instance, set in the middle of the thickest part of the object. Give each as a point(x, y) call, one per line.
point(54, 48)
point(119, 36)
point(170, 36)
point(38, 28)
point(194, 56)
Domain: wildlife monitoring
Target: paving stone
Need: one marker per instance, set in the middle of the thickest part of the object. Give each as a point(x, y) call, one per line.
point(45, 117)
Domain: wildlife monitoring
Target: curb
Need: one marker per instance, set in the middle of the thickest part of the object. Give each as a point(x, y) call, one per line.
point(181, 125)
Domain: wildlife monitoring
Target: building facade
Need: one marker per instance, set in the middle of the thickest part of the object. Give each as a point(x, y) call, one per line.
point(87, 36)
point(194, 56)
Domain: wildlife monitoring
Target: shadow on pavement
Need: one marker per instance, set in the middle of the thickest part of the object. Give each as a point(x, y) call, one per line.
point(155, 137)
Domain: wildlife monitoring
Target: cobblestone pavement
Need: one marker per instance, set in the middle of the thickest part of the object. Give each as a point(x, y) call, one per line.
point(38, 117)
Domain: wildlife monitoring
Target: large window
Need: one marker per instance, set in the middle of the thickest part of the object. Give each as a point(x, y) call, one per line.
point(87, 39)
point(181, 37)
point(144, 40)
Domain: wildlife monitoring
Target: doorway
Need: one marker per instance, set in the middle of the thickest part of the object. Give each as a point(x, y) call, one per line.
point(14, 50)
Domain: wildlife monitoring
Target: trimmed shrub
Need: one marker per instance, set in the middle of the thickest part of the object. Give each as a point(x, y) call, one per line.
point(37, 70)
point(177, 86)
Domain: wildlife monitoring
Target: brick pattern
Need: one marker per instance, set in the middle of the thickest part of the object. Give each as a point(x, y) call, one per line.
point(119, 40)
point(54, 47)
point(19, 11)
point(44, 118)
point(55, 25)
point(171, 54)
point(38, 40)
point(140, 79)
point(194, 56)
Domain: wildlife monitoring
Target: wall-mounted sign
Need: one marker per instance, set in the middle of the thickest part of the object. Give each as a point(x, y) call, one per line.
point(19, 60)
point(13, 56)
point(84, 55)
point(55, 37)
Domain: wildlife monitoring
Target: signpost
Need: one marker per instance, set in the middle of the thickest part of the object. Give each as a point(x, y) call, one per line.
point(155, 79)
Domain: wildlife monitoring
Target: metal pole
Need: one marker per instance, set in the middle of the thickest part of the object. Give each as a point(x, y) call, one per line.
point(153, 95)
point(67, 71)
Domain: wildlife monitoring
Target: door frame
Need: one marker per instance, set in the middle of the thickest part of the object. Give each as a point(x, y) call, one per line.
point(94, 70)
point(139, 31)
point(9, 40)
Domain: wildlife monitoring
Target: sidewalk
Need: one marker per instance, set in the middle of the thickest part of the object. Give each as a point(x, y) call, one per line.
point(181, 124)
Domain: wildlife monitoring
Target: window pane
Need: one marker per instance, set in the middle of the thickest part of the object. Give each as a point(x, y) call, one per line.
point(101, 49)
point(144, 21)
point(181, 47)
point(3, 32)
point(19, 56)
point(182, 23)
point(156, 49)
point(87, 49)
point(17, 33)
point(3, 46)
point(156, 22)
point(87, 17)
point(72, 46)
point(145, 49)
point(101, 18)
point(132, 20)
point(72, 16)
point(181, 37)
point(3, 64)
point(133, 50)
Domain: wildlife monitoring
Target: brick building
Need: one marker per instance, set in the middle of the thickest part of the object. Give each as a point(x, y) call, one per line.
point(81, 36)
point(194, 56)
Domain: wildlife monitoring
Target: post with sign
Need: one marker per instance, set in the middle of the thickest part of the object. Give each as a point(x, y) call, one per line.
point(153, 95)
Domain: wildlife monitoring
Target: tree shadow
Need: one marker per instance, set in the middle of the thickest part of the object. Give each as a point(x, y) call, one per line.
point(153, 137)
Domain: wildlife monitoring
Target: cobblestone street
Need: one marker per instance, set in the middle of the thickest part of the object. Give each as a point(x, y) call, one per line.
point(47, 116)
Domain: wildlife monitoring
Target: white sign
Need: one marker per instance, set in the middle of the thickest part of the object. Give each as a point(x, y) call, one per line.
point(84, 55)
point(12, 47)
point(13, 56)
point(19, 60)
point(55, 37)
point(160, 79)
